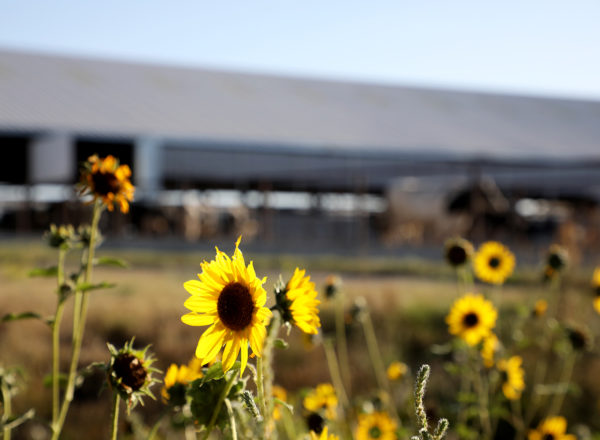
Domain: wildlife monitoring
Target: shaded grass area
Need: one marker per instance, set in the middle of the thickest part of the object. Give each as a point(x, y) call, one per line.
point(408, 298)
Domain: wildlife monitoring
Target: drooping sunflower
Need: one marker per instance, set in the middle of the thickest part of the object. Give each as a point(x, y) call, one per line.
point(377, 425)
point(493, 262)
point(323, 397)
point(491, 344)
point(108, 181)
point(230, 298)
point(397, 370)
point(458, 251)
point(297, 302)
point(552, 428)
point(472, 318)
point(513, 375)
point(323, 436)
point(176, 378)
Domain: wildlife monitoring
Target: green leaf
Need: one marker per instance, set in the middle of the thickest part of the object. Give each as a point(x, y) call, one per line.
point(108, 261)
point(51, 271)
point(84, 287)
point(214, 372)
point(280, 343)
point(289, 407)
point(17, 316)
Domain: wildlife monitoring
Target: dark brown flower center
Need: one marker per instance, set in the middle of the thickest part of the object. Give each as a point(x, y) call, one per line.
point(375, 432)
point(456, 255)
point(470, 320)
point(555, 261)
point(548, 437)
point(235, 306)
point(130, 370)
point(494, 262)
point(315, 423)
point(579, 340)
point(105, 183)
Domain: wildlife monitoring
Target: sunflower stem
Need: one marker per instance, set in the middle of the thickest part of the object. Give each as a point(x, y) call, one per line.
point(56, 337)
point(565, 379)
point(231, 419)
point(265, 376)
point(79, 316)
point(6, 409)
point(115, 416)
point(217, 410)
point(334, 372)
point(341, 343)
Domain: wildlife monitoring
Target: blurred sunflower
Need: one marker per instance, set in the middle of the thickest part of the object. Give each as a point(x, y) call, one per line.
point(552, 428)
point(513, 375)
point(230, 298)
point(596, 287)
point(278, 393)
point(396, 370)
point(493, 262)
point(377, 425)
point(472, 318)
point(297, 302)
point(323, 397)
point(557, 257)
point(107, 181)
point(491, 345)
point(458, 251)
point(323, 436)
point(176, 379)
point(539, 308)
point(332, 285)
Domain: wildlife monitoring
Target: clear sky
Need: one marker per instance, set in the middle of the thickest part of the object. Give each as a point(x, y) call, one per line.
point(539, 47)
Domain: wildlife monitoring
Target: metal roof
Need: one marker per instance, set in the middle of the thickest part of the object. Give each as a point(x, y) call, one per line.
point(90, 96)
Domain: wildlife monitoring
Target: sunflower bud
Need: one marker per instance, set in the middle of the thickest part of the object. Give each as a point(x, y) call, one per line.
point(61, 237)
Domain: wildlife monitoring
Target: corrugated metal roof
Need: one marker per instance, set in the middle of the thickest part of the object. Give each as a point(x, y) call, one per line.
point(126, 99)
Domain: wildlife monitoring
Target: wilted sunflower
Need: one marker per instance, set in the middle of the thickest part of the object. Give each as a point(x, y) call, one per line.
point(458, 251)
point(397, 370)
point(323, 397)
point(230, 298)
point(472, 318)
point(176, 379)
point(493, 262)
point(323, 436)
point(108, 181)
point(491, 344)
point(377, 425)
point(513, 377)
point(552, 428)
point(297, 302)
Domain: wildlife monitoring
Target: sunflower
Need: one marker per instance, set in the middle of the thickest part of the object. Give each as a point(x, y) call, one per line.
point(377, 425)
point(323, 397)
point(323, 436)
point(493, 262)
point(513, 374)
point(458, 251)
point(557, 257)
point(176, 378)
point(229, 297)
point(107, 181)
point(472, 318)
point(552, 428)
point(596, 281)
point(539, 308)
point(397, 370)
point(491, 345)
point(280, 394)
point(297, 302)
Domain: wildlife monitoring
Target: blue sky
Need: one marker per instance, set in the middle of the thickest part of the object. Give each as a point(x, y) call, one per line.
point(539, 47)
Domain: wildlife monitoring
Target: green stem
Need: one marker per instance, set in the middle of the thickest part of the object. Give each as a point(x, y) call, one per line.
point(260, 387)
point(79, 316)
point(564, 380)
point(334, 372)
point(115, 416)
point(56, 338)
point(265, 376)
point(231, 419)
point(342, 345)
point(7, 409)
point(481, 387)
point(222, 397)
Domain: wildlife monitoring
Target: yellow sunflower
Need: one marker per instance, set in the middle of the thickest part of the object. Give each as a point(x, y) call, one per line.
point(323, 436)
point(540, 307)
point(493, 262)
point(513, 376)
point(396, 370)
point(279, 393)
point(176, 378)
point(108, 181)
point(491, 345)
point(230, 298)
point(377, 425)
point(472, 318)
point(552, 428)
point(458, 251)
point(298, 302)
point(323, 397)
